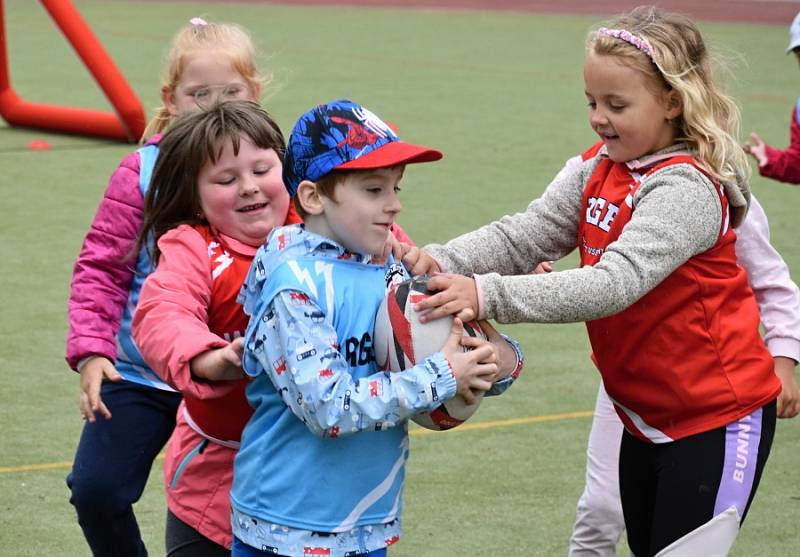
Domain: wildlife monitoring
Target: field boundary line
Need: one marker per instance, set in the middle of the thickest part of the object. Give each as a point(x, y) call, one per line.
point(414, 433)
point(509, 422)
point(64, 465)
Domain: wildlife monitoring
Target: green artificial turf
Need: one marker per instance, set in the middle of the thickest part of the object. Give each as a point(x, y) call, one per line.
point(502, 95)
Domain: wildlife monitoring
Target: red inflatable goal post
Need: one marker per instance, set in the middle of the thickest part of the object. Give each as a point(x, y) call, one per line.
point(125, 124)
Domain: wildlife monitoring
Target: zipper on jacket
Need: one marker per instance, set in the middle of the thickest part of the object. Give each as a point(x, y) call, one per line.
point(185, 462)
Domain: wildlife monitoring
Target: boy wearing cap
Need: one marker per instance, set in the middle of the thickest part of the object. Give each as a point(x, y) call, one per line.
point(782, 165)
point(321, 466)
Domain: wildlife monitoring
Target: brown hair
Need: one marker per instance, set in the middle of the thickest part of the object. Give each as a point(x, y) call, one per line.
point(194, 140)
point(325, 186)
point(225, 39)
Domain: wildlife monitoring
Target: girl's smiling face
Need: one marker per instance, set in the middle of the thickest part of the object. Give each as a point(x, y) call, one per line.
point(630, 118)
point(242, 195)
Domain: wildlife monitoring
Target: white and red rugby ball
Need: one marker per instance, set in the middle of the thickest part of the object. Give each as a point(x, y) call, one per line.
point(401, 341)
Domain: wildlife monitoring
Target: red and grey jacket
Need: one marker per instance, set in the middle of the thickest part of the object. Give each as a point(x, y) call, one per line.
point(686, 357)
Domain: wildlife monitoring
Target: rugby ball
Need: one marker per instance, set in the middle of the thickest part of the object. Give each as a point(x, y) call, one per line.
point(401, 341)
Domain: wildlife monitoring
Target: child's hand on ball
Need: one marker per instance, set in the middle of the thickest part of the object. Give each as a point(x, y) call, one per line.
point(506, 357)
point(457, 295)
point(475, 370)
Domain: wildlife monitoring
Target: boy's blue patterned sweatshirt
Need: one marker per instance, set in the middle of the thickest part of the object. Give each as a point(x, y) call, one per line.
point(322, 460)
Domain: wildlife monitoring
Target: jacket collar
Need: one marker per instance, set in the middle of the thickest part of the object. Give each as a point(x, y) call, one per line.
point(654, 158)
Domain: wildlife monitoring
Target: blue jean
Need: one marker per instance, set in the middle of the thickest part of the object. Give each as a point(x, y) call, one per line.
point(241, 549)
point(113, 462)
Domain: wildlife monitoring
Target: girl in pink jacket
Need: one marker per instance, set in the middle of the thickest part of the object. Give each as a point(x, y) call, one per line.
point(217, 192)
point(208, 214)
point(207, 61)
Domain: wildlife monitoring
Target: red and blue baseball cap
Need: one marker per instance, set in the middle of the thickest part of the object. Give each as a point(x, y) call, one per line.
point(343, 135)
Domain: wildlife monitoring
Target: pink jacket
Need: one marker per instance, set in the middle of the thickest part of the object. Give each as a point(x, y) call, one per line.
point(170, 327)
point(102, 275)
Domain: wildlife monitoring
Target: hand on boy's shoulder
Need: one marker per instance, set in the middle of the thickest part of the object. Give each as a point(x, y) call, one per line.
point(417, 261)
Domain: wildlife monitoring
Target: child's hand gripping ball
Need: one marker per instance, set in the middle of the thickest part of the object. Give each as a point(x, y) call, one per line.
point(401, 341)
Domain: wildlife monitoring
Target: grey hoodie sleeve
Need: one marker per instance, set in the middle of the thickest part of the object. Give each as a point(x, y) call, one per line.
point(677, 215)
point(515, 244)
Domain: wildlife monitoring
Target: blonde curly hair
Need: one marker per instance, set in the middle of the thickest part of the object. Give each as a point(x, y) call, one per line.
point(710, 119)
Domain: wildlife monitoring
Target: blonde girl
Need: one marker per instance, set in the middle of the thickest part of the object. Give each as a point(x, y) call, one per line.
point(206, 62)
point(672, 321)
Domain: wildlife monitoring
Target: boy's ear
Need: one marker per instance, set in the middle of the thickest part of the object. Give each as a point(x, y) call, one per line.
point(673, 104)
point(168, 98)
point(309, 198)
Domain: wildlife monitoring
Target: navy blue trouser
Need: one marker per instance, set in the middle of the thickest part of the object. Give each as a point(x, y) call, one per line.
point(113, 462)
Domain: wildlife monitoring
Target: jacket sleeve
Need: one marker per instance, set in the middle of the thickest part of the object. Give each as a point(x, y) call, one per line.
point(315, 382)
point(104, 269)
point(777, 296)
point(784, 165)
point(516, 244)
point(170, 325)
point(677, 216)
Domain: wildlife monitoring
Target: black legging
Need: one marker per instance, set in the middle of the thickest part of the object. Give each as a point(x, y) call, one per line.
point(184, 541)
point(671, 489)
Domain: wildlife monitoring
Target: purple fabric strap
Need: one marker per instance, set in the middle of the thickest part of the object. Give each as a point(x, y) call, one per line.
point(742, 439)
